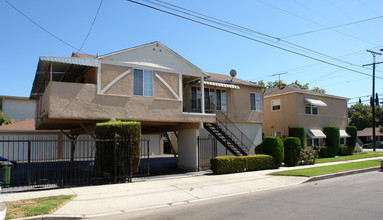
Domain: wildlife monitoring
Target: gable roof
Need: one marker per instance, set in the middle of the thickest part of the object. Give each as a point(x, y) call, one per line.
point(147, 56)
point(293, 88)
point(367, 132)
point(221, 78)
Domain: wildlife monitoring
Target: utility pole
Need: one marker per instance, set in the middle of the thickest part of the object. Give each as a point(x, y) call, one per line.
point(373, 53)
point(279, 77)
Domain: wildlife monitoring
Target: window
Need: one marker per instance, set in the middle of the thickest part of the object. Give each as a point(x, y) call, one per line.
point(342, 141)
point(196, 99)
point(221, 100)
point(275, 105)
point(209, 99)
point(255, 101)
point(277, 134)
point(313, 142)
point(142, 82)
point(311, 109)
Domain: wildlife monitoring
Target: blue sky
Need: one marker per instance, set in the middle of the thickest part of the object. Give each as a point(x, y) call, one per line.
point(121, 24)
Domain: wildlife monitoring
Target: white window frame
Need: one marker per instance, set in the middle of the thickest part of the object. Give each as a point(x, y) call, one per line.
point(313, 140)
point(276, 134)
point(275, 102)
point(257, 101)
point(312, 107)
point(143, 83)
point(223, 100)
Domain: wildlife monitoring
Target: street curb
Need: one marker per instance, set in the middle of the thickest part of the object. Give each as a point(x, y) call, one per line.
point(344, 173)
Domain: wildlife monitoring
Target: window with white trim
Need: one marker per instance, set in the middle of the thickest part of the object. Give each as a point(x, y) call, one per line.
point(311, 109)
point(255, 101)
point(312, 142)
point(277, 134)
point(221, 100)
point(276, 105)
point(142, 82)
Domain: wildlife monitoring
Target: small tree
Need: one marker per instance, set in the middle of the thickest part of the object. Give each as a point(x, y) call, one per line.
point(272, 146)
point(298, 132)
point(292, 148)
point(332, 139)
point(104, 159)
point(351, 130)
point(4, 120)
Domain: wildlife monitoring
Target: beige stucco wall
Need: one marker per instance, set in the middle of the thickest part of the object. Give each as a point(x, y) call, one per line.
point(239, 105)
point(160, 90)
point(122, 87)
point(292, 113)
point(80, 101)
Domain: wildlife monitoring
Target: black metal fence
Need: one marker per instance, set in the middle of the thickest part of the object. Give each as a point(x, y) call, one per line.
point(207, 148)
point(64, 162)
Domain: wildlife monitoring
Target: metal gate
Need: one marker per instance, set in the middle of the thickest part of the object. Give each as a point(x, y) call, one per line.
point(207, 148)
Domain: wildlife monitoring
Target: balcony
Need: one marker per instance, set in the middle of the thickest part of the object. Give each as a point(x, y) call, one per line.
point(66, 104)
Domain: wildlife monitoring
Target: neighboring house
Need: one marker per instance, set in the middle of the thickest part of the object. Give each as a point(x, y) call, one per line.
point(291, 106)
point(153, 85)
point(365, 135)
point(17, 108)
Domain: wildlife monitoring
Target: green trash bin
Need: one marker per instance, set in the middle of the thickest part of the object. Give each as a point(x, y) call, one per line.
point(6, 174)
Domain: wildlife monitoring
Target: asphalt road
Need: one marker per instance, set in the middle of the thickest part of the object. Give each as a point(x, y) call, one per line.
point(358, 196)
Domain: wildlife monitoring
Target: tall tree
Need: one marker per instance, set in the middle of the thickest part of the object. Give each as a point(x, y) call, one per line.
point(361, 116)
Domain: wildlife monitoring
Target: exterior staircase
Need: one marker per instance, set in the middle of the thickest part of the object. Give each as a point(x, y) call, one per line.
point(227, 139)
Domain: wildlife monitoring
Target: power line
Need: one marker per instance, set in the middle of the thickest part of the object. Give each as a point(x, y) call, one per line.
point(42, 28)
point(90, 29)
point(337, 26)
point(314, 22)
point(242, 29)
point(247, 37)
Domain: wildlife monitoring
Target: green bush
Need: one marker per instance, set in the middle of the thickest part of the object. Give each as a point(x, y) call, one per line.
point(353, 132)
point(298, 132)
point(104, 159)
point(272, 146)
point(308, 156)
point(345, 150)
point(292, 149)
point(332, 140)
point(234, 164)
point(323, 152)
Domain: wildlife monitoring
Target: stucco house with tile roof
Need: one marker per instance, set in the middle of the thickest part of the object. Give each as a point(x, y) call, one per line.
point(154, 85)
point(290, 105)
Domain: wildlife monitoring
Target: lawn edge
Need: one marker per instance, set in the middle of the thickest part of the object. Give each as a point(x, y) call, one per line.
point(343, 173)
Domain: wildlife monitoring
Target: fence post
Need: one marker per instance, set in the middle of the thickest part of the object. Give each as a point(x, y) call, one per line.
point(148, 144)
point(130, 149)
point(115, 160)
point(29, 162)
point(198, 153)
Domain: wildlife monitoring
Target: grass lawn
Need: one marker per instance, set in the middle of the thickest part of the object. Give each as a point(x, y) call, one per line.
point(38, 206)
point(351, 157)
point(316, 171)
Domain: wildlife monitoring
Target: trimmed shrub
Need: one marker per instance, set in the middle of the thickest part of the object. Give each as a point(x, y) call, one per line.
point(298, 132)
point(272, 146)
point(323, 152)
point(345, 150)
point(234, 164)
point(292, 149)
point(353, 132)
point(332, 140)
point(308, 156)
point(104, 158)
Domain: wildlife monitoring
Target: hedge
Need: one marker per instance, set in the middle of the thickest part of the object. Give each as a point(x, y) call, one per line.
point(292, 149)
point(332, 139)
point(345, 150)
point(323, 152)
point(234, 164)
point(272, 146)
point(104, 158)
point(298, 132)
point(353, 132)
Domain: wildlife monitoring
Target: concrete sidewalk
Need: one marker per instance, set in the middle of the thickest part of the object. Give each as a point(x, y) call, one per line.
point(92, 201)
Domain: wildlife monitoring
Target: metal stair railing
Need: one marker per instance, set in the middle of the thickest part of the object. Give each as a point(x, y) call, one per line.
point(223, 120)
